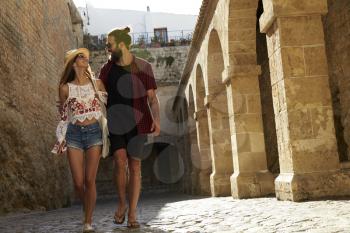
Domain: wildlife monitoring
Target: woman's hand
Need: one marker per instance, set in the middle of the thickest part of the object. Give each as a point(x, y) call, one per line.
point(59, 148)
point(62, 147)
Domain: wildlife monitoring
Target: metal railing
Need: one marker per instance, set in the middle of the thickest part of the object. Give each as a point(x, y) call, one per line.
point(144, 40)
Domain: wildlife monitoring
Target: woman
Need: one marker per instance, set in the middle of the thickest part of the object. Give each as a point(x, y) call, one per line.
point(79, 132)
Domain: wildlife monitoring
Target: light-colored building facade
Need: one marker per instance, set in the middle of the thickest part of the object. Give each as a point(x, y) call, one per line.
point(99, 21)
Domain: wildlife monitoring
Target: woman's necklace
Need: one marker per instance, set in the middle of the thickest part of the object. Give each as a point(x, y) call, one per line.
point(79, 85)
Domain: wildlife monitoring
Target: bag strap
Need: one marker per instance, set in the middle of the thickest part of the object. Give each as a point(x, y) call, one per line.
point(103, 107)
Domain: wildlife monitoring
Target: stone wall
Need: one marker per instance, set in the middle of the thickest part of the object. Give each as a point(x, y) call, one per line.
point(34, 36)
point(337, 34)
point(167, 62)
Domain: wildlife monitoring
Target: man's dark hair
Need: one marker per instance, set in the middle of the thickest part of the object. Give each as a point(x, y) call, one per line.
point(121, 35)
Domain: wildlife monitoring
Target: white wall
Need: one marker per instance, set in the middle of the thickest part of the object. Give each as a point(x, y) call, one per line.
point(103, 20)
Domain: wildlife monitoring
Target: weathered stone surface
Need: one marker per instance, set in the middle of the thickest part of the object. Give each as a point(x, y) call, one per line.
point(298, 31)
point(34, 37)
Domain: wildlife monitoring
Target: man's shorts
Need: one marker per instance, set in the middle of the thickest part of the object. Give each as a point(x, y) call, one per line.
point(130, 141)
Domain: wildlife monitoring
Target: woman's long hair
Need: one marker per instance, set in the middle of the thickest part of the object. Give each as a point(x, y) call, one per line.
point(68, 74)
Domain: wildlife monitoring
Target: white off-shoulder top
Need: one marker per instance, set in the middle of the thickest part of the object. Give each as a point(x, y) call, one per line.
point(82, 103)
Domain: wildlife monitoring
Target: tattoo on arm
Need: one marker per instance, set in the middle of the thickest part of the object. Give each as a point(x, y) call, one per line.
point(154, 104)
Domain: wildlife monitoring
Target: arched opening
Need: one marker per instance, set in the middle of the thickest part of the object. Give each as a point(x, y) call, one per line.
point(219, 128)
point(337, 49)
point(267, 110)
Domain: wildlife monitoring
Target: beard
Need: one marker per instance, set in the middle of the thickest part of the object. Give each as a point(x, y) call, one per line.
point(116, 55)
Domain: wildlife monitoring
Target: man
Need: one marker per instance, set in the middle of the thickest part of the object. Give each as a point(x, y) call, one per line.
point(133, 112)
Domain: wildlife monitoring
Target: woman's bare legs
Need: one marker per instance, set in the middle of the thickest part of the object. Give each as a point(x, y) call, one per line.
point(76, 163)
point(93, 155)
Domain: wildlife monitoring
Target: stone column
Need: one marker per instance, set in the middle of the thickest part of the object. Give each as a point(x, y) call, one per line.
point(203, 162)
point(220, 146)
point(251, 177)
point(186, 153)
point(307, 144)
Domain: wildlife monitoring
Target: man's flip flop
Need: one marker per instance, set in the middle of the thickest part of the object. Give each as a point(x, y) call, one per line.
point(133, 224)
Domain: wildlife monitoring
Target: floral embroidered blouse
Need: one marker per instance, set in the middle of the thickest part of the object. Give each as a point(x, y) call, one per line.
point(82, 103)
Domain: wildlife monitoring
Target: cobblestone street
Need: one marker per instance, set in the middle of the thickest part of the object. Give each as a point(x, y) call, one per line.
point(181, 213)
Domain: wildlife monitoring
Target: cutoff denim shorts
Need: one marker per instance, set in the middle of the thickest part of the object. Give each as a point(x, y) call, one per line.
point(83, 137)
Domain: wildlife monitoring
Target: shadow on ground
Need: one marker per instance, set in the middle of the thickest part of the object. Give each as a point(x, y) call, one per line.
point(70, 219)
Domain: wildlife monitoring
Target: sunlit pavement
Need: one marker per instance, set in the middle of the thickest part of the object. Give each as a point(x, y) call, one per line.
point(182, 213)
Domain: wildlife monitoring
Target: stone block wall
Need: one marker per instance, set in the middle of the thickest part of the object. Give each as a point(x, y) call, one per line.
point(34, 36)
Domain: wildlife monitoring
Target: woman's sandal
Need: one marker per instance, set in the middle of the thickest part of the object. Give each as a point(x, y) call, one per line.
point(120, 219)
point(133, 224)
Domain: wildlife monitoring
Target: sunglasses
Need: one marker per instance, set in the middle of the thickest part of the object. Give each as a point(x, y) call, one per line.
point(109, 45)
point(81, 56)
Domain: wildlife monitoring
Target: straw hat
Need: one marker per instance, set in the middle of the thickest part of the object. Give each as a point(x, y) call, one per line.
point(71, 54)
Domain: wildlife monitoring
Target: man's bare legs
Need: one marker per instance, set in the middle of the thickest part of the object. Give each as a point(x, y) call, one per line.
point(134, 188)
point(120, 163)
point(123, 165)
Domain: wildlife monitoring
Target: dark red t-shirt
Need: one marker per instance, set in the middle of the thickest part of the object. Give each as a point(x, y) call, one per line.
point(142, 80)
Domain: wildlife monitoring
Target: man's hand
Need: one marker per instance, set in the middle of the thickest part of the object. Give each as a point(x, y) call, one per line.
point(155, 129)
point(154, 104)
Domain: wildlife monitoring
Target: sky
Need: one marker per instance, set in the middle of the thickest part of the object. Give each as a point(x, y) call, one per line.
point(170, 6)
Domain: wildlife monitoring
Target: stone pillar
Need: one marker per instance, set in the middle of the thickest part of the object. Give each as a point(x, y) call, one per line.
point(195, 188)
point(307, 146)
point(186, 152)
point(220, 146)
point(203, 162)
point(251, 177)
point(194, 153)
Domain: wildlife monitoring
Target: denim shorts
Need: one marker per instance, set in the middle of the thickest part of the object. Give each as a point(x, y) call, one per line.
point(83, 136)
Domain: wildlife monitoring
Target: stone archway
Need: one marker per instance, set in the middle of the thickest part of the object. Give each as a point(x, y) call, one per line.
point(219, 129)
point(203, 163)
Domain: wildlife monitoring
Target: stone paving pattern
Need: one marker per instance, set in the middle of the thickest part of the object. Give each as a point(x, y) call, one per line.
point(169, 212)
